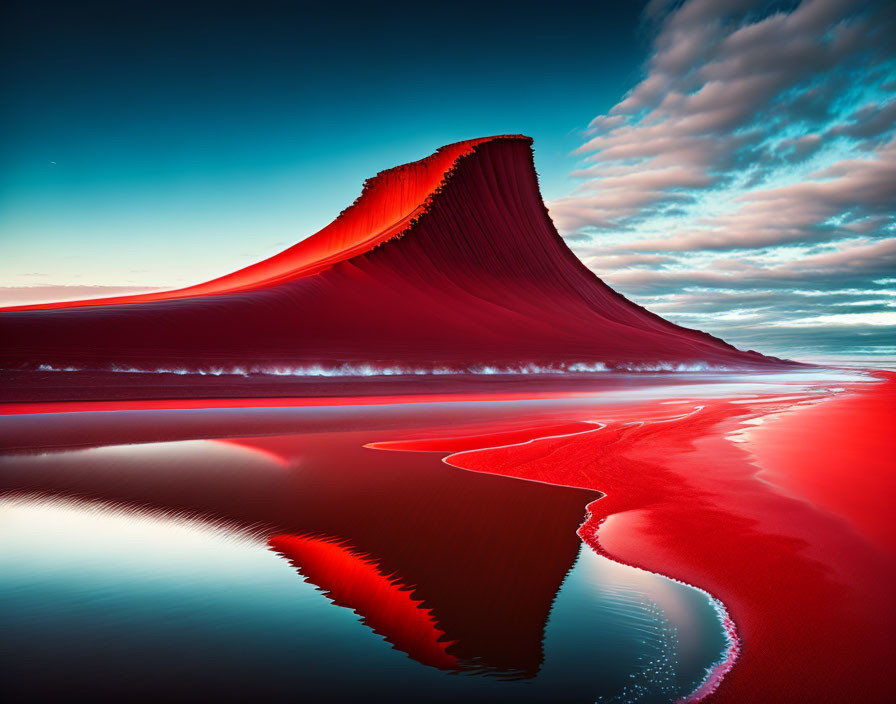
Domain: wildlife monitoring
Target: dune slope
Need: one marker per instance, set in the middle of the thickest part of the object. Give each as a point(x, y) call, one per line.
point(451, 260)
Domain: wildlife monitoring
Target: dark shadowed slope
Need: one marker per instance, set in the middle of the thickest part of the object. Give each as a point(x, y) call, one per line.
point(451, 261)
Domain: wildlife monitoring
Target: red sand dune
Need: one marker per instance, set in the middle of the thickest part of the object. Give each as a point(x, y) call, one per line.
point(451, 260)
point(788, 523)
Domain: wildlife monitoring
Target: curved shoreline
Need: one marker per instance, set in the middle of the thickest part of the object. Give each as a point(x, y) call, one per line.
point(588, 532)
point(796, 576)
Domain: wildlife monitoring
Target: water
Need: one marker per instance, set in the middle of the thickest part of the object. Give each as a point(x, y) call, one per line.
point(267, 555)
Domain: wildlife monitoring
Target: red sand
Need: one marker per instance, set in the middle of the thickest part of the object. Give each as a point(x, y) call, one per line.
point(852, 472)
point(382, 211)
point(805, 570)
point(451, 261)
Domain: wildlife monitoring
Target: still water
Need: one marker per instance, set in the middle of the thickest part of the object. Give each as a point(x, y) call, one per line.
point(267, 555)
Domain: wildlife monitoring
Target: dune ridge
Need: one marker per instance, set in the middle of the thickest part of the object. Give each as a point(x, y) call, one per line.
point(451, 260)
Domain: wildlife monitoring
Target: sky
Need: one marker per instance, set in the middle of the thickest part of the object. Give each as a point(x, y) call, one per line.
point(746, 184)
point(730, 165)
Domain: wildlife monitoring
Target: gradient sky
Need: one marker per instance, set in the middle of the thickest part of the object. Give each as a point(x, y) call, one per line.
point(731, 165)
point(164, 143)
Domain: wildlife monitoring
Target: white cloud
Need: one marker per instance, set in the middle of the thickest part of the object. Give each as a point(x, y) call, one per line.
point(757, 153)
point(876, 318)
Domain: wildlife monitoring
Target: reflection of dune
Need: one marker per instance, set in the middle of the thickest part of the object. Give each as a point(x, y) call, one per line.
point(483, 556)
point(253, 449)
point(354, 580)
point(449, 262)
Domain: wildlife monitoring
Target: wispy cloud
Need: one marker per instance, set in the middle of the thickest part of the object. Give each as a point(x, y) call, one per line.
point(758, 152)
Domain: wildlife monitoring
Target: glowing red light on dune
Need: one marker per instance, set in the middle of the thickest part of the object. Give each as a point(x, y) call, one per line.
point(448, 262)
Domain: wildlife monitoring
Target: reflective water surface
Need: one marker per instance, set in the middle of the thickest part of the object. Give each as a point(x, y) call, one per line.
point(267, 555)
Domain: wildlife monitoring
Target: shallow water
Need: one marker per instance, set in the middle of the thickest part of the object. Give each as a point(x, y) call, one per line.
point(261, 554)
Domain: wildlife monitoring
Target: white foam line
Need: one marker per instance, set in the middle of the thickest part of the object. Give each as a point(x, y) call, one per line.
point(716, 673)
point(599, 424)
point(372, 369)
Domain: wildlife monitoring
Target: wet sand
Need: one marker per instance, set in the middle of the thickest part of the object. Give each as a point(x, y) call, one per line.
point(777, 506)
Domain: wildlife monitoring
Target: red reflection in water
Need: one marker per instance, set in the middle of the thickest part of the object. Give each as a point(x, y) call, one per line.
point(456, 569)
point(354, 580)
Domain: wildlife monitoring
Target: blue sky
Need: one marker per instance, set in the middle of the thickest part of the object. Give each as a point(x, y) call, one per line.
point(155, 145)
point(731, 165)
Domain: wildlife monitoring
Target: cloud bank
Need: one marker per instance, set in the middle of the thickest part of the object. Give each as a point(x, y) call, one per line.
point(747, 184)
